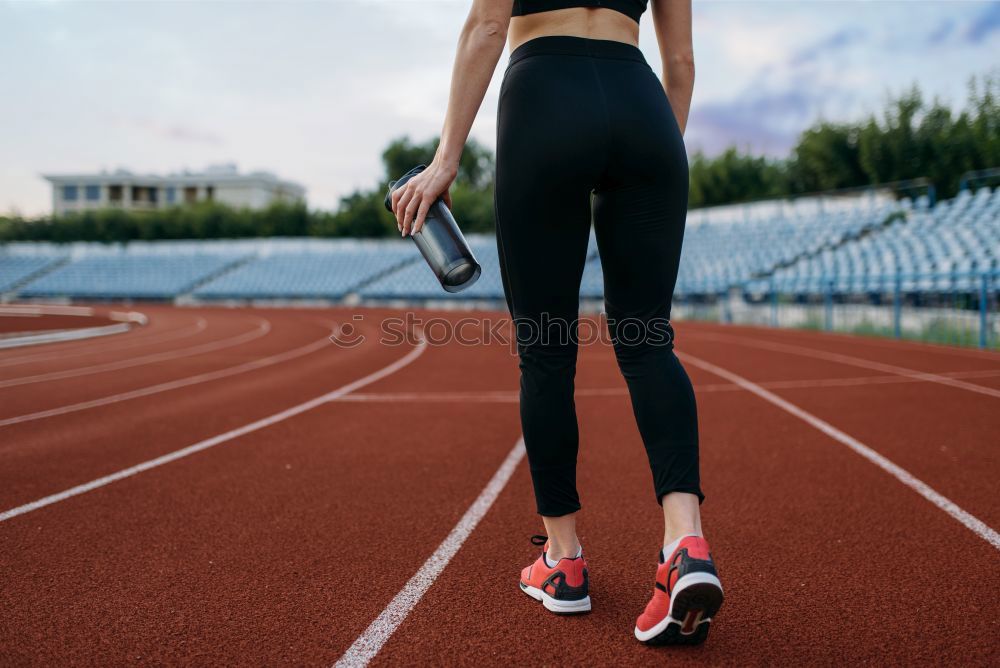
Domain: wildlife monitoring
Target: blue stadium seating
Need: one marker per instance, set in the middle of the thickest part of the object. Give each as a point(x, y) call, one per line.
point(847, 247)
point(592, 284)
point(417, 281)
point(319, 274)
point(15, 269)
point(718, 256)
point(124, 275)
point(939, 249)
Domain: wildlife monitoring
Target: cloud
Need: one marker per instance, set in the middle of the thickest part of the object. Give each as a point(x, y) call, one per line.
point(188, 133)
point(986, 23)
point(784, 96)
point(315, 90)
point(835, 42)
point(180, 132)
point(941, 32)
point(765, 122)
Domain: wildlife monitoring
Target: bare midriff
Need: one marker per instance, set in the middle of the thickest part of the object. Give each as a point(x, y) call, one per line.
point(592, 22)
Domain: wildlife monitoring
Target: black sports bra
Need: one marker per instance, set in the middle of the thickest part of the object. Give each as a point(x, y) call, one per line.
point(631, 8)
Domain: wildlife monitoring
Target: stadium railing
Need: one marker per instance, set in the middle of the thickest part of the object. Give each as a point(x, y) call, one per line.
point(957, 308)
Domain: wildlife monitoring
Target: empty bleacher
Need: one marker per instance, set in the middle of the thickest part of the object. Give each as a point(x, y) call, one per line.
point(16, 269)
point(851, 246)
point(321, 273)
point(128, 275)
point(721, 255)
point(417, 281)
point(933, 250)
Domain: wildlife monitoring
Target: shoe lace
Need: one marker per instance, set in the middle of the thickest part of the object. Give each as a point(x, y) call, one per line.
point(539, 539)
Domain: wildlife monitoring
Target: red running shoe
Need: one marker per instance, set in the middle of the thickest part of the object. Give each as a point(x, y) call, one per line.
point(562, 589)
point(686, 597)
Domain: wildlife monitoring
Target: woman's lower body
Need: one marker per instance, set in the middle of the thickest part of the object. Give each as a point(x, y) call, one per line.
point(583, 118)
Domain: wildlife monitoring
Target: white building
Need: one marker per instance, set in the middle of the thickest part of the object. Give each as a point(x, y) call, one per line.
point(123, 189)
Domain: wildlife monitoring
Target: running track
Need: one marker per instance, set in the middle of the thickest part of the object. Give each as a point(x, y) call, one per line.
point(227, 486)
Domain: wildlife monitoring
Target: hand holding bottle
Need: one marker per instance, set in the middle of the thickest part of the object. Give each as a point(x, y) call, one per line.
point(411, 202)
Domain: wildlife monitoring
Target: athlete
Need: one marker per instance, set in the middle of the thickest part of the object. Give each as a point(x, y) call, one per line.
point(588, 134)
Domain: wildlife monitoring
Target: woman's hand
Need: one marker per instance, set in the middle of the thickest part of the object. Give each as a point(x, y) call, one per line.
point(411, 202)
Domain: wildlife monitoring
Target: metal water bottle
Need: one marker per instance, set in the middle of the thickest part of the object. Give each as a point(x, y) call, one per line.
point(441, 242)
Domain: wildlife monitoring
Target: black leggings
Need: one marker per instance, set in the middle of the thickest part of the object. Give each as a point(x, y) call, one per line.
point(578, 116)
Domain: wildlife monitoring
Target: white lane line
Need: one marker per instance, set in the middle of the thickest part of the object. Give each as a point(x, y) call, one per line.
point(172, 384)
point(62, 335)
point(45, 309)
point(971, 522)
point(508, 396)
point(263, 327)
point(153, 337)
point(873, 380)
point(379, 631)
point(413, 354)
point(853, 361)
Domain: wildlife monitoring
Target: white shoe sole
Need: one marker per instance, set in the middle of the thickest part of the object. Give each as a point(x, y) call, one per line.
point(696, 599)
point(555, 605)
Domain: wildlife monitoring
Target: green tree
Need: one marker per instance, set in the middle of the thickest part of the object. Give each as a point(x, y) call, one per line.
point(826, 157)
point(733, 177)
point(915, 139)
point(362, 214)
point(475, 166)
point(889, 150)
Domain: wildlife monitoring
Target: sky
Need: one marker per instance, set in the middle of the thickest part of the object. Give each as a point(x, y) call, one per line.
point(314, 91)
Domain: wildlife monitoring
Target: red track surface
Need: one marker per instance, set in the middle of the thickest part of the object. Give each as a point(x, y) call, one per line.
point(283, 544)
point(11, 323)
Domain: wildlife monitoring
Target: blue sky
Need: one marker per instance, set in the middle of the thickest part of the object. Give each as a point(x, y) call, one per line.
point(313, 91)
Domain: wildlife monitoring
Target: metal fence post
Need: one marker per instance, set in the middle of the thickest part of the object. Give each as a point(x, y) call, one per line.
point(774, 304)
point(984, 293)
point(828, 300)
point(897, 306)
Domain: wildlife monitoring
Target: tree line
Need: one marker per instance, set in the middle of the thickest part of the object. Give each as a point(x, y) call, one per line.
point(911, 138)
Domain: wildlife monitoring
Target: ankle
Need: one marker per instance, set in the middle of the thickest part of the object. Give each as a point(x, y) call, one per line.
point(559, 551)
point(671, 544)
point(676, 534)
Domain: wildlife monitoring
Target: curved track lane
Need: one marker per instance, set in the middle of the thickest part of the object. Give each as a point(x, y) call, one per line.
point(282, 543)
point(163, 324)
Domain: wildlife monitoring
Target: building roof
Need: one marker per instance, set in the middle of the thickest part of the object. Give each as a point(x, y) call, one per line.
point(216, 174)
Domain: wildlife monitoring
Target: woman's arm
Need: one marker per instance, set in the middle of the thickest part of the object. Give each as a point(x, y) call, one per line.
point(672, 22)
point(479, 48)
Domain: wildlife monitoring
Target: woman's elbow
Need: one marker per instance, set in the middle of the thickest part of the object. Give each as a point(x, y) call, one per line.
point(680, 66)
point(488, 30)
point(494, 28)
